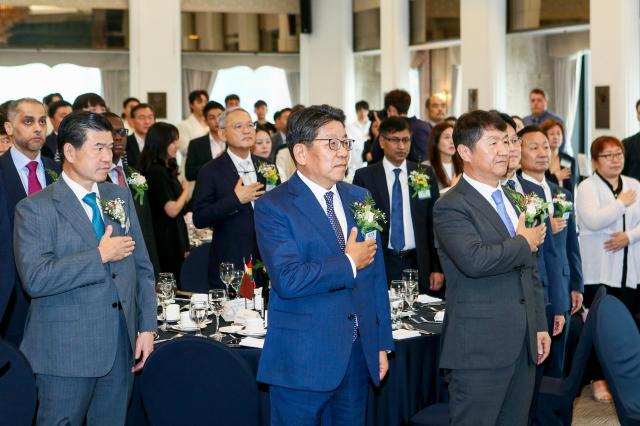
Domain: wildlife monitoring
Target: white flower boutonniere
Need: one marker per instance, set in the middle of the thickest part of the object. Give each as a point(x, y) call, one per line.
point(115, 210)
point(270, 174)
point(420, 183)
point(139, 185)
point(368, 217)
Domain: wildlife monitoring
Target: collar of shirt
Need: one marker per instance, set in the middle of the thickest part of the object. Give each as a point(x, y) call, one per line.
point(242, 164)
point(140, 140)
point(80, 192)
point(486, 191)
point(220, 145)
point(114, 165)
point(545, 187)
point(20, 160)
point(113, 174)
point(319, 191)
point(388, 168)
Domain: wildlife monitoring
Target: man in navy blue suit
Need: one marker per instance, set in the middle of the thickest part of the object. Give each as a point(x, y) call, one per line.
point(7, 267)
point(24, 172)
point(329, 323)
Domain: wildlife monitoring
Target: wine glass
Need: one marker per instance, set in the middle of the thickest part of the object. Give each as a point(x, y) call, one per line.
point(410, 275)
point(164, 291)
point(226, 273)
point(236, 282)
point(198, 312)
point(396, 295)
point(217, 301)
point(395, 303)
point(410, 296)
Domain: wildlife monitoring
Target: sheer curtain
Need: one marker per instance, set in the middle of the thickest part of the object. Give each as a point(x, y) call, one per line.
point(115, 88)
point(193, 79)
point(567, 79)
point(293, 81)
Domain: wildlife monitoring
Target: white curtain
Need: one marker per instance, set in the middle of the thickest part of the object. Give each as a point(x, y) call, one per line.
point(115, 88)
point(293, 81)
point(567, 80)
point(193, 79)
point(456, 90)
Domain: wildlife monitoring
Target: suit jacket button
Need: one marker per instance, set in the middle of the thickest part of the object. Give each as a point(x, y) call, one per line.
point(114, 275)
point(522, 301)
point(114, 305)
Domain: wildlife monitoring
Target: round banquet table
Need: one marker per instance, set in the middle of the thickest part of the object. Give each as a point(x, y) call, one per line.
point(412, 383)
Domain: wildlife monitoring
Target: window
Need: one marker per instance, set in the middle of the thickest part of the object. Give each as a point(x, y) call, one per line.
point(434, 20)
point(526, 15)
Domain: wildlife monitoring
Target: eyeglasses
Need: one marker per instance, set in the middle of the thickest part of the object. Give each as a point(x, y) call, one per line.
point(243, 126)
point(612, 156)
point(335, 143)
point(121, 132)
point(396, 140)
point(515, 141)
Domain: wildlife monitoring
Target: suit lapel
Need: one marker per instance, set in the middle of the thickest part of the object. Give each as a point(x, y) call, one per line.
point(69, 206)
point(15, 189)
point(413, 201)
point(380, 181)
point(347, 200)
point(483, 206)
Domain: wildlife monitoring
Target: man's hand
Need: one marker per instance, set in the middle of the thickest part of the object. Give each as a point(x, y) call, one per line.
point(627, 197)
point(576, 301)
point(436, 281)
point(375, 125)
point(558, 324)
point(248, 193)
point(384, 364)
point(362, 253)
point(544, 346)
point(144, 347)
point(534, 236)
point(618, 241)
point(563, 174)
point(558, 224)
point(115, 248)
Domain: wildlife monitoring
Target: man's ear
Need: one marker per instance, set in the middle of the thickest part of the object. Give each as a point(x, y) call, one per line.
point(300, 154)
point(8, 127)
point(464, 152)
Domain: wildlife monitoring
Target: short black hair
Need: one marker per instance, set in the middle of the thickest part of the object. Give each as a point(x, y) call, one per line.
point(399, 99)
point(260, 103)
point(196, 94)
point(88, 100)
point(530, 129)
point(54, 107)
point(129, 99)
point(507, 119)
point(212, 105)
point(393, 125)
point(471, 125)
point(362, 105)
point(47, 99)
point(231, 97)
point(74, 127)
point(277, 114)
point(304, 124)
point(139, 107)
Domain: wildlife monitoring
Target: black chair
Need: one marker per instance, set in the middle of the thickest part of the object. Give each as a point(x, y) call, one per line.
point(555, 397)
point(433, 415)
point(617, 344)
point(194, 380)
point(17, 387)
point(193, 276)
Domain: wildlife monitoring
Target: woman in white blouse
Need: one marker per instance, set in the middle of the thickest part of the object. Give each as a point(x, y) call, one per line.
point(608, 214)
point(444, 160)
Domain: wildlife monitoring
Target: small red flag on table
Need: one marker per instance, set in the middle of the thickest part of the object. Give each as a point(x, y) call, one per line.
point(247, 286)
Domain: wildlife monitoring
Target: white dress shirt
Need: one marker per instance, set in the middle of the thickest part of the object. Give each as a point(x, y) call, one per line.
point(545, 187)
point(409, 238)
point(318, 192)
point(140, 140)
point(487, 191)
point(359, 132)
point(80, 192)
point(245, 168)
point(189, 129)
point(113, 175)
point(217, 147)
point(516, 183)
point(20, 161)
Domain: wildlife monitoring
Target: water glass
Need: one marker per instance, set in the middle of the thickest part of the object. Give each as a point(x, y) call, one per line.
point(198, 312)
point(397, 289)
point(410, 296)
point(236, 282)
point(226, 273)
point(217, 301)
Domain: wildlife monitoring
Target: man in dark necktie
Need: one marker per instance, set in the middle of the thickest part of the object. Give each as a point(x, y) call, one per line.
point(25, 172)
point(329, 323)
point(407, 236)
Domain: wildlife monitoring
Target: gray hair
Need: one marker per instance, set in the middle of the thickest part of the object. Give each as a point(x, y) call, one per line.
point(222, 120)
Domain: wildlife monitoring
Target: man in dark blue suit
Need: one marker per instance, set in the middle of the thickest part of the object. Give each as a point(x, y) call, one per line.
point(24, 172)
point(410, 216)
point(329, 323)
point(225, 191)
point(7, 266)
point(564, 266)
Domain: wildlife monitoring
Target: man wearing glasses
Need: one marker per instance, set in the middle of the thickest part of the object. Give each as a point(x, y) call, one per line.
point(329, 322)
point(226, 189)
point(407, 236)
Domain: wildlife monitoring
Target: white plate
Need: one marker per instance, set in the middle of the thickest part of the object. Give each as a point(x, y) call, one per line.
point(188, 328)
point(253, 333)
point(231, 329)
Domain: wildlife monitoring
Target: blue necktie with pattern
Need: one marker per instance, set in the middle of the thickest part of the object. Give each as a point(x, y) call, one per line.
point(333, 219)
point(502, 212)
point(96, 220)
point(397, 215)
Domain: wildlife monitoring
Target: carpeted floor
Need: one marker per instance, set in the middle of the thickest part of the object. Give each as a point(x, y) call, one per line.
point(587, 411)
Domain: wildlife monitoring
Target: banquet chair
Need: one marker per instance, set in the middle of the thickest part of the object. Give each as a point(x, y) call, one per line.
point(194, 380)
point(193, 276)
point(554, 404)
point(17, 387)
point(617, 343)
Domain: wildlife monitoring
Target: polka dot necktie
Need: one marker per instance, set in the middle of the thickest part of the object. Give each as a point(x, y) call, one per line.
point(333, 219)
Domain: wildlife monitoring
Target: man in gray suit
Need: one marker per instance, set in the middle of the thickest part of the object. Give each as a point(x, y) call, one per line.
point(87, 269)
point(495, 329)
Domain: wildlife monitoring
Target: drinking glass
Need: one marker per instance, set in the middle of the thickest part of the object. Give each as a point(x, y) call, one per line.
point(164, 291)
point(395, 303)
point(236, 282)
point(396, 293)
point(226, 273)
point(198, 312)
point(410, 275)
point(410, 296)
point(217, 301)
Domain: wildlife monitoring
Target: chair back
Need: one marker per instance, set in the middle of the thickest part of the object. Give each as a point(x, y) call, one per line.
point(17, 387)
point(194, 380)
point(193, 276)
point(617, 343)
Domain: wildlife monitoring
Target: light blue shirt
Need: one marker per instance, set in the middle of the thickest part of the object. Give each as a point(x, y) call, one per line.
point(113, 175)
point(20, 161)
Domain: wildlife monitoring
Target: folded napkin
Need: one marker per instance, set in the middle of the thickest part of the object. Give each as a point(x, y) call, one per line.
point(405, 334)
point(252, 342)
point(235, 311)
point(439, 317)
point(424, 298)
